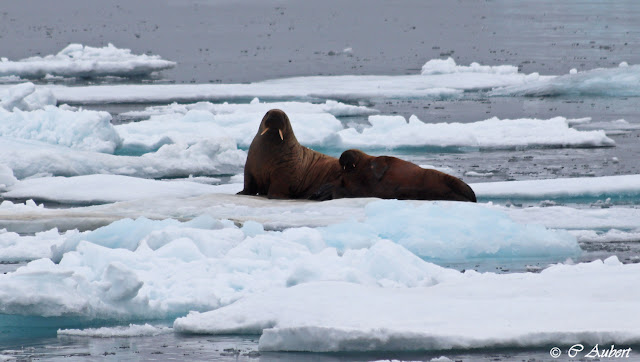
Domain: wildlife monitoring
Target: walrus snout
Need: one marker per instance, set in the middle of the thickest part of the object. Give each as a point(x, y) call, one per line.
point(349, 159)
point(275, 119)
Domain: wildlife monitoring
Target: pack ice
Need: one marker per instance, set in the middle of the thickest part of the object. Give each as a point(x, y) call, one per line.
point(77, 60)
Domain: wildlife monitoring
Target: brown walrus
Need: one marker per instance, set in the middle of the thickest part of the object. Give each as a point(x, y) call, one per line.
point(387, 177)
point(279, 167)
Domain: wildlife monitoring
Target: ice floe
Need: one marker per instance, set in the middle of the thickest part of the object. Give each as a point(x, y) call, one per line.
point(219, 201)
point(77, 60)
point(394, 132)
point(145, 269)
point(619, 187)
point(623, 81)
point(82, 129)
point(25, 97)
point(93, 189)
point(471, 311)
point(449, 66)
point(133, 330)
point(337, 109)
point(439, 81)
point(218, 156)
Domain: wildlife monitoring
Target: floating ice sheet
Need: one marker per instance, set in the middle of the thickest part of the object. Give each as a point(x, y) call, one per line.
point(220, 202)
point(620, 187)
point(474, 310)
point(25, 97)
point(77, 60)
point(82, 129)
point(337, 109)
point(623, 81)
point(218, 156)
point(447, 83)
point(146, 269)
point(133, 330)
point(394, 132)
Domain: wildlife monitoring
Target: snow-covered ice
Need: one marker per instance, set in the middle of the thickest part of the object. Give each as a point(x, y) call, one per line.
point(146, 269)
point(82, 129)
point(622, 81)
point(394, 131)
point(132, 330)
point(452, 81)
point(94, 189)
point(472, 310)
point(77, 60)
point(25, 97)
point(220, 202)
point(623, 186)
point(209, 157)
point(449, 66)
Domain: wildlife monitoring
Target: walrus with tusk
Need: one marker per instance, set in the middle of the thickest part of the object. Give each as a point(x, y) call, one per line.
point(279, 167)
point(363, 175)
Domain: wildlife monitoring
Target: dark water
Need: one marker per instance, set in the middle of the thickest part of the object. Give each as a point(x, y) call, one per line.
point(250, 40)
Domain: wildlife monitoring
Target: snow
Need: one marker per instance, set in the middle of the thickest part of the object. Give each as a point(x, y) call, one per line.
point(219, 201)
point(613, 235)
point(623, 81)
point(25, 97)
point(6, 177)
point(218, 156)
point(470, 311)
point(395, 132)
point(447, 83)
point(199, 125)
point(146, 269)
point(449, 231)
point(623, 186)
point(93, 189)
point(77, 60)
point(82, 130)
point(337, 109)
point(449, 66)
point(133, 330)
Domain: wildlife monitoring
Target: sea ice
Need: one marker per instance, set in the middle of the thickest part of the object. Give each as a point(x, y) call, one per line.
point(93, 189)
point(82, 129)
point(218, 156)
point(337, 109)
point(133, 330)
point(145, 269)
point(450, 84)
point(623, 81)
point(25, 97)
point(449, 66)
point(623, 186)
point(77, 60)
point(554, 307)
point(394, 132)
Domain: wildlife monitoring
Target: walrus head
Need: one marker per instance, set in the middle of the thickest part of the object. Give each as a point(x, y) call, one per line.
point(275, 123)
point(351, 160)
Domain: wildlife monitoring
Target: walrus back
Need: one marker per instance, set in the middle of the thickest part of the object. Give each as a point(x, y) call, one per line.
point(461, 188)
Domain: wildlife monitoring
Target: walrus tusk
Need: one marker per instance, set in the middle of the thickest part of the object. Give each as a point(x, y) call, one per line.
point(265, 131)
point(280, 131)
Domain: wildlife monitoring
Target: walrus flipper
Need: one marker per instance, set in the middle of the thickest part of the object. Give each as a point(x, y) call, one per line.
point(324, 193)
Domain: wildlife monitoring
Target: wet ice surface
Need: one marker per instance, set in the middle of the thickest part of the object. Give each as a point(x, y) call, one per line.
point(281, 40)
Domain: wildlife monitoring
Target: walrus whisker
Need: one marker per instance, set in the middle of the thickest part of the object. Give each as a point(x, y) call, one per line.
point(265, 131)
point(280, 131)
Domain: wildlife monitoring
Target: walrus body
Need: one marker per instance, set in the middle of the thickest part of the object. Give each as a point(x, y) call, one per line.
point(279, 167)
point(392, 178)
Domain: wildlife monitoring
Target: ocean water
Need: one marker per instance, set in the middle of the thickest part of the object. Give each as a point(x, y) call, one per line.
point(248, 41)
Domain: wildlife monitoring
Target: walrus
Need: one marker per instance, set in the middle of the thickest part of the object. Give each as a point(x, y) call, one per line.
point(279, 167)
point(388, 177)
